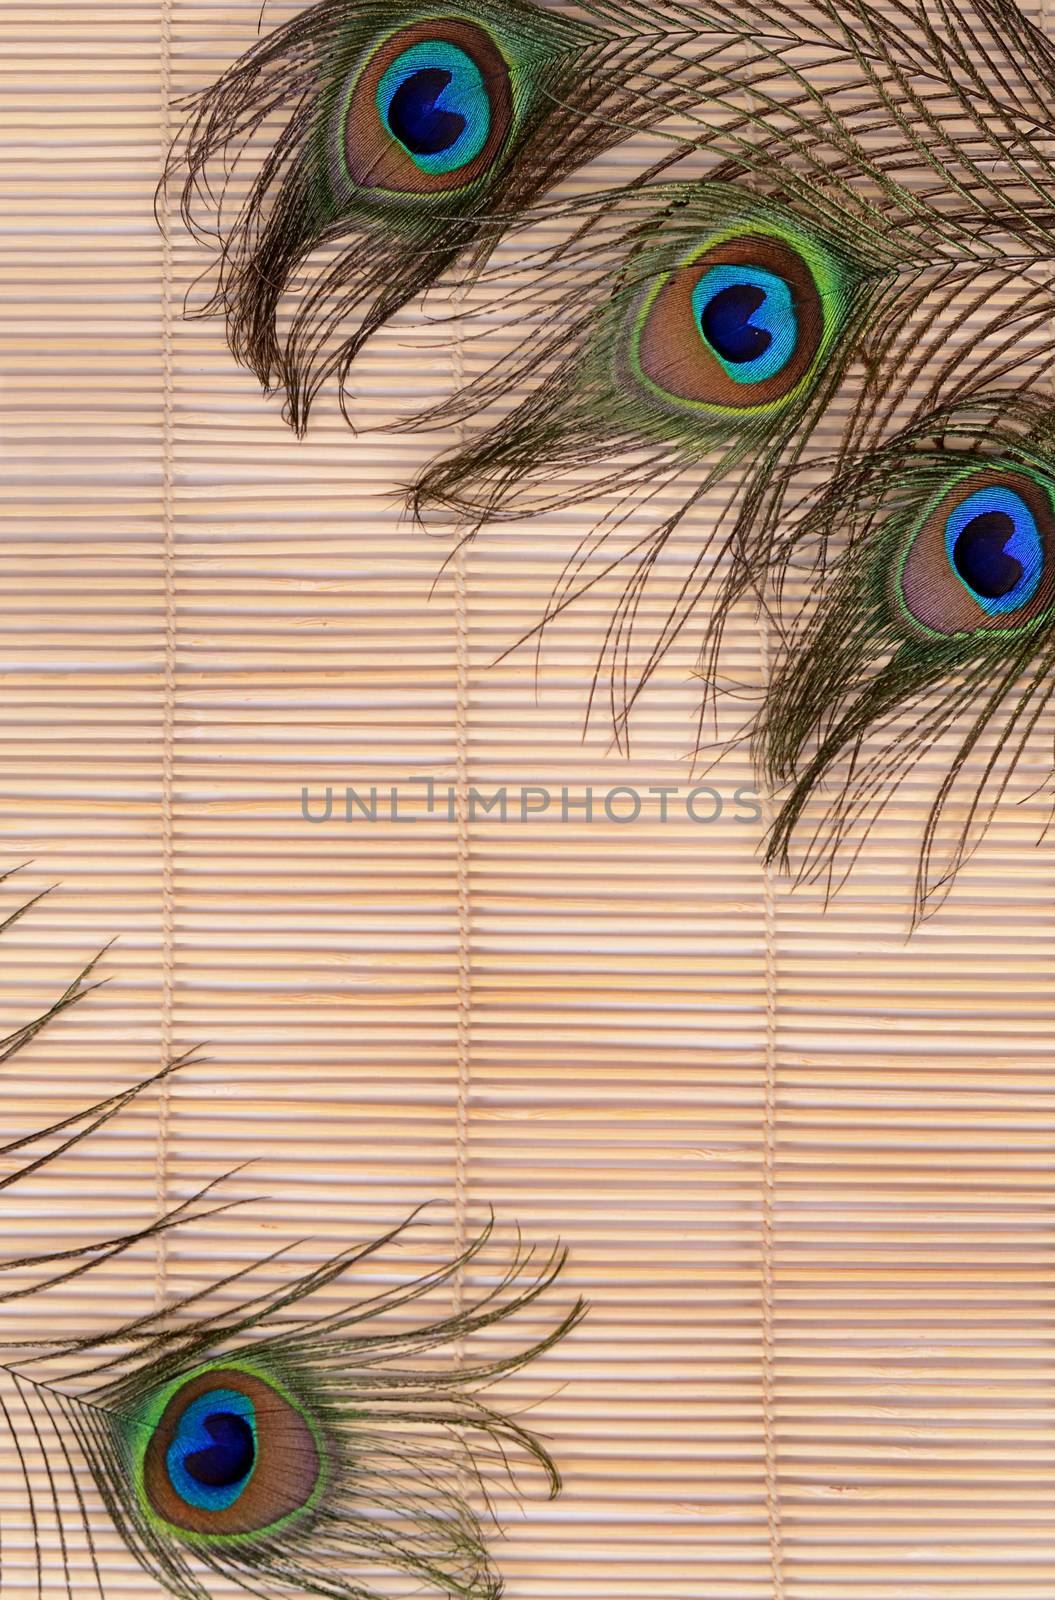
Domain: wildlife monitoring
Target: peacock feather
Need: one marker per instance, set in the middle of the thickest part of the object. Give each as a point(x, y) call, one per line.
point(257, 1434)
point(935, 622)
point(356, 153)
point(697, 337)
point(796, 288)
point(292, 1449)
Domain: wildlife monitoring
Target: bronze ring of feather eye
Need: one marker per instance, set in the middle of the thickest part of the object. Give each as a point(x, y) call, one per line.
point(674, 355)
point(375, 159)
point(929, 589)
point(282, 1482)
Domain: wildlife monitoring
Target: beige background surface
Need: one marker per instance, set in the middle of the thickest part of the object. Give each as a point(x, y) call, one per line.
point(804, 1165)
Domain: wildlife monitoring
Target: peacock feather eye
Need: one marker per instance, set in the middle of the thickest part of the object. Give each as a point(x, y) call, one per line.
point(428, 112)
point(980, 559)
point(227, 1453)
point(738, 326)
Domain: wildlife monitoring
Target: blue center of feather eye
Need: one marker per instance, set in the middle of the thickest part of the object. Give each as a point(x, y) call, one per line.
point(747, 317)
point(995, 549)
point(230, 1456)
point(433, 100)
point(211, 1459)
point(418, 120)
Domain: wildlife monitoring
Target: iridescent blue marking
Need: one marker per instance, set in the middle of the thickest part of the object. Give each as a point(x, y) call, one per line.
point(433, 100)
point(747, 318)
point(212, 1457)
point(995, 549)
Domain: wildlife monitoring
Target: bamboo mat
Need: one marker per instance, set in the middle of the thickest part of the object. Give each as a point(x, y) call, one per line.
point(803, 1162)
